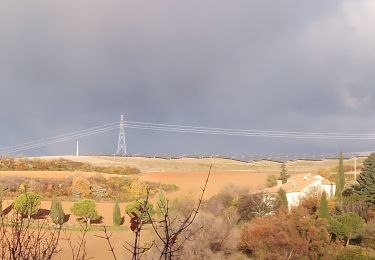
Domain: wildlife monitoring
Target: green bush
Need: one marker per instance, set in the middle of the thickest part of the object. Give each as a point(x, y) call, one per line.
point(27, 204)
point(347, 226)
point(137, 208)
point(353, 252)
point(85, 209)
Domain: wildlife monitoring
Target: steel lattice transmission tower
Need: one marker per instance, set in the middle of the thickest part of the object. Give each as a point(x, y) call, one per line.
point(121, 145)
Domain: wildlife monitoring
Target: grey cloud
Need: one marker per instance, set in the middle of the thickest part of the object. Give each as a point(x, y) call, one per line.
point(287, 65)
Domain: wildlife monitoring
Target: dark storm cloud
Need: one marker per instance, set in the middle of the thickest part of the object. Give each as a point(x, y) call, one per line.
point(290, 65)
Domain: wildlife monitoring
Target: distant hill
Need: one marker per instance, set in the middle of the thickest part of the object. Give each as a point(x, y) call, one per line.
point(146, 165)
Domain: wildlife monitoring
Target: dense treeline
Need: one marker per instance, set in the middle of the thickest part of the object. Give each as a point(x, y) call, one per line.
point(25, 164)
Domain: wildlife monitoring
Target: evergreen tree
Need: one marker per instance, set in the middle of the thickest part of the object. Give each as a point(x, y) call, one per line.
point(138, 208)
point(284, 174)
point(116, 215)
point(347, 226)
point(323, 207)
point(340, 178)
point(366, 180)
point(57, 214)
point(161, 204)
point(85, 209)
point(338, 192)
point(282, 198)
point(27, 204)
point(340, 171)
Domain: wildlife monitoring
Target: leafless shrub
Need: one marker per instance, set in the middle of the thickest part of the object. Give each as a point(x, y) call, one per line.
point(182, 205)
point(22, 238)
point(77, 244)
point(172, 232)
point(216, 239)
point(136, 225)
point(107, 237)
point(256, 204)
point(227, 197)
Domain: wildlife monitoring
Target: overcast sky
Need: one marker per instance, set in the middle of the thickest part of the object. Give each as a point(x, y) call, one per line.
point(267, 65)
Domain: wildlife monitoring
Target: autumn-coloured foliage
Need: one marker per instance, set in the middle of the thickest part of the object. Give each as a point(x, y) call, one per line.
point(286, 236)
point(311, 201)
point(81, 187)
point(25, 164)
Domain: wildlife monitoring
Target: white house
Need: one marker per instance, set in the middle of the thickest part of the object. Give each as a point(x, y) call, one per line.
point(301, 185)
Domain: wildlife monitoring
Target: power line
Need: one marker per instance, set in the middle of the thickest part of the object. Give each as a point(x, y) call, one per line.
point(58, 136)
point(184, 129)
point(50, 141)
point(249, 130)
point(249, 133)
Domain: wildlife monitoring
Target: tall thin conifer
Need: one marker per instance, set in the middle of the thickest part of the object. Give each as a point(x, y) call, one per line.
point(323, 207)
point(57, 213)
point(116, 215)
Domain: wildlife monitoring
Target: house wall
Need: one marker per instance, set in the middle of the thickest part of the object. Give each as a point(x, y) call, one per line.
point(294, 198)
point(327, 189)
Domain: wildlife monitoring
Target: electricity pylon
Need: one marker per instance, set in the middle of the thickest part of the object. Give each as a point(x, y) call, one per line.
point(121, 145)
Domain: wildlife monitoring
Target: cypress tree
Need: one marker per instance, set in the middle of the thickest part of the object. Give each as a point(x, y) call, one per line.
point(57, 213)
point(283, 200)
point(366, 180)
point(323, 207)
point(116, 215)
point(340, 178)
point(284, 174)
point(338, 192)
point(161, 203)
point(341, 172)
